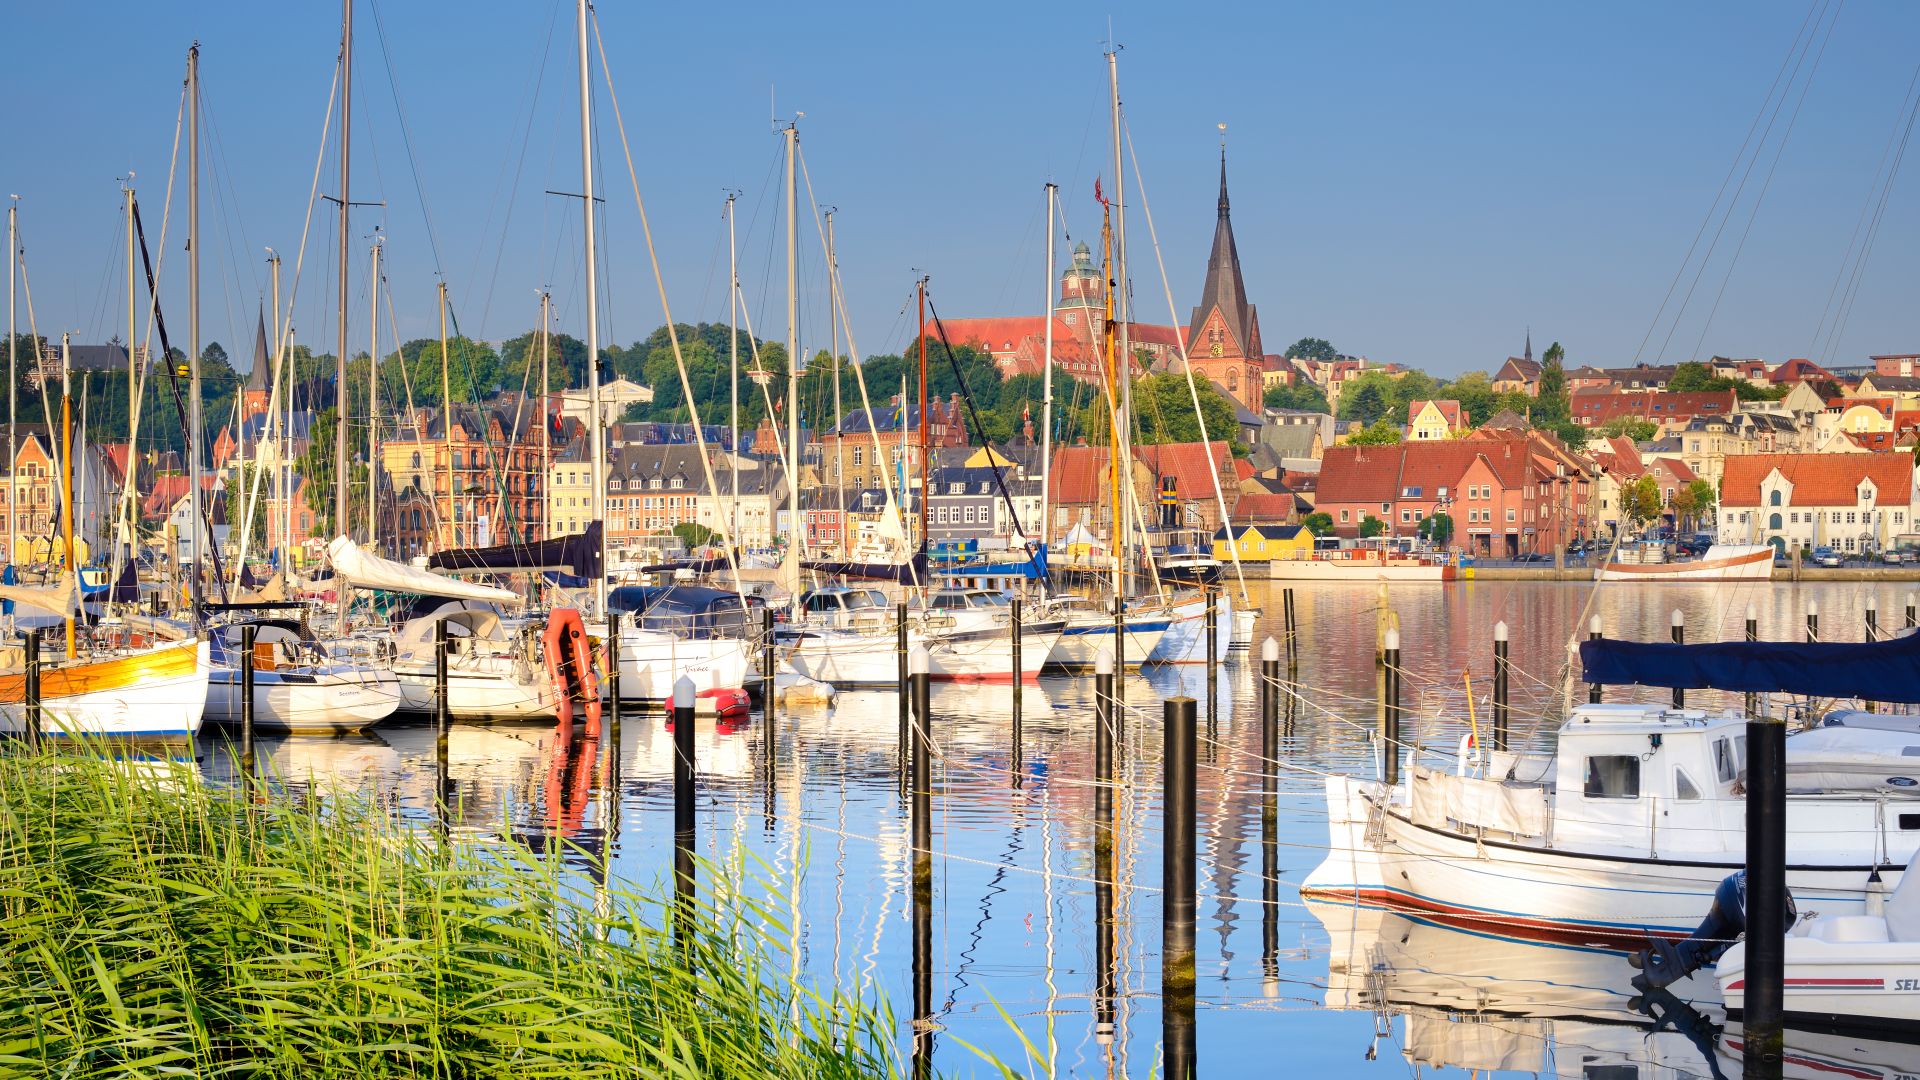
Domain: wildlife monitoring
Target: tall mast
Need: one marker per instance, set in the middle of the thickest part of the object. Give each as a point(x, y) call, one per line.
point(342, 469)
point(446, 420)
point(1123, 311)
point(124, 531)
point(1117, 464)
point(598, 500)
point(66, 474)
point(373, 405)
point(546, 421)
point(202, 536)
point(282, 481)
point(790, 561)
point(733, 372)
point(1046, 386)
point(833, 315)
point(921, 292)
point(13, 376)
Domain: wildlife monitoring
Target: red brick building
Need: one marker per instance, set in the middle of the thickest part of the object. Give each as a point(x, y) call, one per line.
point(1594, 408)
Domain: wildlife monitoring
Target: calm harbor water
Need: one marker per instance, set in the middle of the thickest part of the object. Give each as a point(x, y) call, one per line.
point(1015, 946)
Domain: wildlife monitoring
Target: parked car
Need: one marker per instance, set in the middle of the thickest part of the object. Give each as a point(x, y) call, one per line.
point(1825, 556)
point(1691, 545)
point(1533, 556)
point(1892, 557)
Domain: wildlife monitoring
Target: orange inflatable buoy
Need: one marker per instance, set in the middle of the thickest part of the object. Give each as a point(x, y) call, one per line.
point(570, 666)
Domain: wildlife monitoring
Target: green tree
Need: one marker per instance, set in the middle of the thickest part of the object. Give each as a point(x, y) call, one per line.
point(1437, 529)
point(1301, 395)
point(316, 467)
point(1692, 377)
point(1474, 392)
point(1572, 435)
point(1631, 427)
point(1312, 348)
point(695, 535)
point(1695, 501)
point(1640, 500)
point(1378, 433)
point(1553, 371)
point(1371, 527)
point(253, 527)
point(1319, 523)
point(1364, 400)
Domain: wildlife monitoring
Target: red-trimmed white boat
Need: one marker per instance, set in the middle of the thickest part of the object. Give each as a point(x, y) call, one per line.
point(1722, 562)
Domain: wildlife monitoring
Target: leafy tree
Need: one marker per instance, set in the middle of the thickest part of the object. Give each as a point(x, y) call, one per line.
point(1319, 523)
point(1695, 501)
point(1363, 400)
point(1640, 500)
point(316, 467)
point(254, 527)
point(1553, 371)
point(1695, 377)
point(566, 358)
point(1474, 392)
point(1438, 529)
point(1569, 433)
point(1378, 433)
point(695, 535)
point(1630, 426)
point(1313, 348)
point(1301, 395)
point(1371, 527)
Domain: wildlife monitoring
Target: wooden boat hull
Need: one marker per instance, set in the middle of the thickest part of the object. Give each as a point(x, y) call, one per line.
point(150, 693)
point(1742, 564)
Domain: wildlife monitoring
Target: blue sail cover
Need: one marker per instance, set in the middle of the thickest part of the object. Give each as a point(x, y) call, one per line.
point(1880, 671)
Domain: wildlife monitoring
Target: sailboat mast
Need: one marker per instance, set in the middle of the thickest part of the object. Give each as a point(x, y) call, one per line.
point(282, 482)
point(341, 468)
point(1122, 310)
point(924, 444)
point(202, 536)
point(13, 376)
point(833, 315)
point(790, 562)
point(1046, 386)
point(66, 478)
point(446, 421)
point(733, 372)
point(373, 405)
point(125, 529)
point(598, 500)
point(546, 421)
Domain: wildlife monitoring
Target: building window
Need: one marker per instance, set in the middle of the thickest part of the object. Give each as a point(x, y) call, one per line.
point(1346, 516)
point(1773, 522)
point(1510, 513)
point(1774, 498)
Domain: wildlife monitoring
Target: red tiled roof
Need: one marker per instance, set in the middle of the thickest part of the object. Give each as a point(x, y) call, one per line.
point(1877, 441)
point(1798, 370)
point(1817, 479)
point(1448, 408)
point(1078, 476)
point(1192, 468)
point(1263, 509)
point(1365, 474)
point(1595, 407)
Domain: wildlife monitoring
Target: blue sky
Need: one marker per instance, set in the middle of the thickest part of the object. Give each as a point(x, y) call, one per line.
point(1416, 182)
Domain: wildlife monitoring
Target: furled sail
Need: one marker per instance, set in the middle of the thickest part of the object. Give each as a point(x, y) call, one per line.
point(368, 571)
point(578, 554)
point(1879, 670)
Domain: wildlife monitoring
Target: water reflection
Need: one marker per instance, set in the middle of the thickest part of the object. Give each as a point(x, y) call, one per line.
point(1044, 901)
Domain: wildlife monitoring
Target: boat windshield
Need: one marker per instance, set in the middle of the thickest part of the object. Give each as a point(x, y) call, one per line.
point(862, 599)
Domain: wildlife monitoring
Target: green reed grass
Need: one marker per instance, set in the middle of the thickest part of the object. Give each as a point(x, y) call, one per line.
point(152, 926)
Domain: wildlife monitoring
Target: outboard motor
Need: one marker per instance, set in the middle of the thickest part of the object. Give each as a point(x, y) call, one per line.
point(1665, 962)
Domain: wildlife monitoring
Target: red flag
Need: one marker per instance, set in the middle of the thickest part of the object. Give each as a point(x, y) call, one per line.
point(1097, 197)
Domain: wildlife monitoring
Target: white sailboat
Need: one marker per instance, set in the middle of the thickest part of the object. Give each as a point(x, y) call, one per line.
point(491, 674)
point(298, 687)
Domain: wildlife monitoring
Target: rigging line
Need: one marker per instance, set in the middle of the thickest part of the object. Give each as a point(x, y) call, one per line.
point(1745, 175)
point(1707, 219)
point(406, 135)
point(1880, 177)
point(660, 283)
point(1780, 150)
point(526, 139)
point(1193, 388)
point(1852, 293)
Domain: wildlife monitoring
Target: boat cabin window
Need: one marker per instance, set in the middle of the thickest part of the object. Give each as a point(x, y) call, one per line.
point(865, 598)
point(1683, 787)
point(1613, 776)
point(1730, 759)
point(948, 602)
point(823, 602)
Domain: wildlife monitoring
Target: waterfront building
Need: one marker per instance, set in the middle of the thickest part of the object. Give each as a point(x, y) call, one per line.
point(496, 472)
point(1850, 502)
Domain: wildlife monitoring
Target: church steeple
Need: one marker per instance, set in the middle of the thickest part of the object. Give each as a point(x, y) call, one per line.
point(1528, 355)
point(1223, 323)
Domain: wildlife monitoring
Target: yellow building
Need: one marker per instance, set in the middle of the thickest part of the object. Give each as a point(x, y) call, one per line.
point(1429, 421)
point(1264, 543)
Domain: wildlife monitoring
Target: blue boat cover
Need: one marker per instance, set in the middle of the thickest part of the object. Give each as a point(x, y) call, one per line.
point(1880, 671)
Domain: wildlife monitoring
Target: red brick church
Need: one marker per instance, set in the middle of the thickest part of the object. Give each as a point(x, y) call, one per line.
point(1223, 338)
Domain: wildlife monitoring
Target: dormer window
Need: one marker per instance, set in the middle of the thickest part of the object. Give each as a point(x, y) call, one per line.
point(655, 484)
point(679, 482)
point(614, 484)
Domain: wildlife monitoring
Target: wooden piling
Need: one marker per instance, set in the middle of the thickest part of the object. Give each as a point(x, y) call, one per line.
point(32, 651)
point(1679, 638)
point(1177, 967)
point(1390, 704)
point(1813, 621)
point(1502, 669)
point(1762, 1018)
point(1593, 634)
point(613, 682)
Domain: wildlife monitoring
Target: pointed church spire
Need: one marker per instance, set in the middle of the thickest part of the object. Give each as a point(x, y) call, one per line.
point(1224, 291)
point(1529, 353)
point(258, 379)
point(1223, 172)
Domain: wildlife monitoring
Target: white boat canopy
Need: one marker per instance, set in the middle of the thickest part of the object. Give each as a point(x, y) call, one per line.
point(369, 571)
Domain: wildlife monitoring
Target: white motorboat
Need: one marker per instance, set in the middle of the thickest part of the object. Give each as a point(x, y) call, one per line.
point(703, 634)
point(968, 634)
point(158, 692)
point(297, 686)
point(1849, 972)
point(492, 674)
point(1185, 641)
point(1088, 629)
point(1627, 829)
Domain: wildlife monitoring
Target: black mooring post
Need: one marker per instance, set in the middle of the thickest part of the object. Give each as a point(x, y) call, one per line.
point(613, 683)
point(1813, 620)
point(442, 723)
point(1269, 817)
point(1502, 686)
point(1103, 879)
point(1873, 635)
point(769, 712)
point(921, 774)
point(922, 1024)
point(1015, 761)
point(1269, 713)
point(1912, 612)
point(248, 634)
point(1593, 634)
point(685, 779)
point(1286, 613)
point(1213, 664)
point(32, 649)
point(1679, 638)
point(906, 689)
point(1390, 705)
point(1766, 889)
point(1177, 970)
point(1753, 634)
